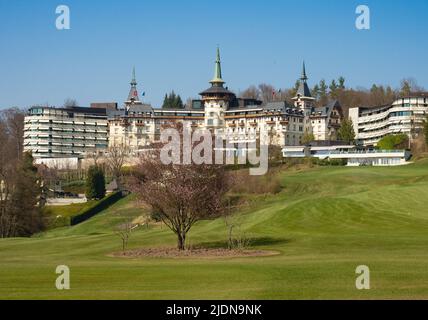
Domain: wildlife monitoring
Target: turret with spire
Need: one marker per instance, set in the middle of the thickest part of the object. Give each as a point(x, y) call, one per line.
point(304, 100)
point(217, 80)
point(133, 97)
point(217, 99)
point(217, 90)
point(303, 90)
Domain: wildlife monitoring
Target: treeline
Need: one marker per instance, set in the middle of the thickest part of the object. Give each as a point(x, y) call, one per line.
point(172, 101)
point(21, 188)
point(324, 91)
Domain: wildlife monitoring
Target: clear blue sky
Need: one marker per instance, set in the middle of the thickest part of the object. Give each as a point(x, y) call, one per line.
point(172, 45)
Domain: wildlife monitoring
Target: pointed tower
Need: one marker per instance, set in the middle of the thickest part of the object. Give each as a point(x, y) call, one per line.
point(303, 90)
point(133, 97)
point(217, 81)
point(216, 99)
point(304, 100)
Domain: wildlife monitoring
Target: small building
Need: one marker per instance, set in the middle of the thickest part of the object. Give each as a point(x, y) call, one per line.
point(353, 156)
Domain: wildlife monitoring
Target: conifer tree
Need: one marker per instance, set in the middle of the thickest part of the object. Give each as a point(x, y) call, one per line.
point(95, 183)
point(346, 132)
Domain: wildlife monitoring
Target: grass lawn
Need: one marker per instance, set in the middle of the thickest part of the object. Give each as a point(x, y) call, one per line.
point(324, 223)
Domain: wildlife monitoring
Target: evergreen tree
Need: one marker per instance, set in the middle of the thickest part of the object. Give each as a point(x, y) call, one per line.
point(315, 92)
point(333, 89)
point(95, 183)
point(341, 81)
point(346, 132)
point(293, 91)
point(172, 101)
point(25, 198)
point(323, 96)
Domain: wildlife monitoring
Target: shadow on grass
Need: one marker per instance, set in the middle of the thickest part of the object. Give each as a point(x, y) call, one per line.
point(253, 242)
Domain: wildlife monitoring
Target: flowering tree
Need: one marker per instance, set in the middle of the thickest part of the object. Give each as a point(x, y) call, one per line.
point(180, 194)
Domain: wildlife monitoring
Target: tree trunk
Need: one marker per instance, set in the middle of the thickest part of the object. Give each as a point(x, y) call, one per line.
point(181, 241)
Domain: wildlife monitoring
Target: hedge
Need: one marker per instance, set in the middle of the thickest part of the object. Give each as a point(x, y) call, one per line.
point(96, 208)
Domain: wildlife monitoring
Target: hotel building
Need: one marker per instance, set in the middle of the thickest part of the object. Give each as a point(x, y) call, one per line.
point(236, 119)
point(75, 133)
point(65, 132)
point(405, 115)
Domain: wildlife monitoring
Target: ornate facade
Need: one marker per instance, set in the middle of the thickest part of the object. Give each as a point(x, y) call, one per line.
point(236, 119)
point(77, 132)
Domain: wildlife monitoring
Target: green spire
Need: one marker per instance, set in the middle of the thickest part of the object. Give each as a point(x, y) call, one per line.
point(217, 72)
point(304, 77)
point(134, 80)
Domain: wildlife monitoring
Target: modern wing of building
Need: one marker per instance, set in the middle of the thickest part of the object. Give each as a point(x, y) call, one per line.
point(405, 115)
point(65, 132)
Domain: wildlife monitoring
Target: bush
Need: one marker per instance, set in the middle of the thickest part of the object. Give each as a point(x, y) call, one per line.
point(96, 208)
point(95, 183)
point(329, 162)
point(393, 142)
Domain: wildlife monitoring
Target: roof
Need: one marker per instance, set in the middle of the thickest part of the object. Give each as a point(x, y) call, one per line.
point(98, 111)
point(216, 90)
point(217, 72)
point(140, 108)
point(326, 110)
point(133, 93)
point(421, 94)
point(303, 89)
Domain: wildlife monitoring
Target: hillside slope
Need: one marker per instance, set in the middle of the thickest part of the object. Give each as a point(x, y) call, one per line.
point(324, 223)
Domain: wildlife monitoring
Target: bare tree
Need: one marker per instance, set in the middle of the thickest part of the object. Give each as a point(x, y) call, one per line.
point(267, 92)
point(115, 159)
point(13, 124)
point(180, 195)
point(70, 103)
point(95, 155)
point(251, 93)
point(124, 233)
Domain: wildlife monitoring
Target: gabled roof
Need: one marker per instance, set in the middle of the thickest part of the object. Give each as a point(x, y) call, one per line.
point(325, 111)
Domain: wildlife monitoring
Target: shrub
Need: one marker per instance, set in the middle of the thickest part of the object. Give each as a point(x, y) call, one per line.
point(394, 141)
point(96, 208)
point(95, 183)
point(329, 162)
